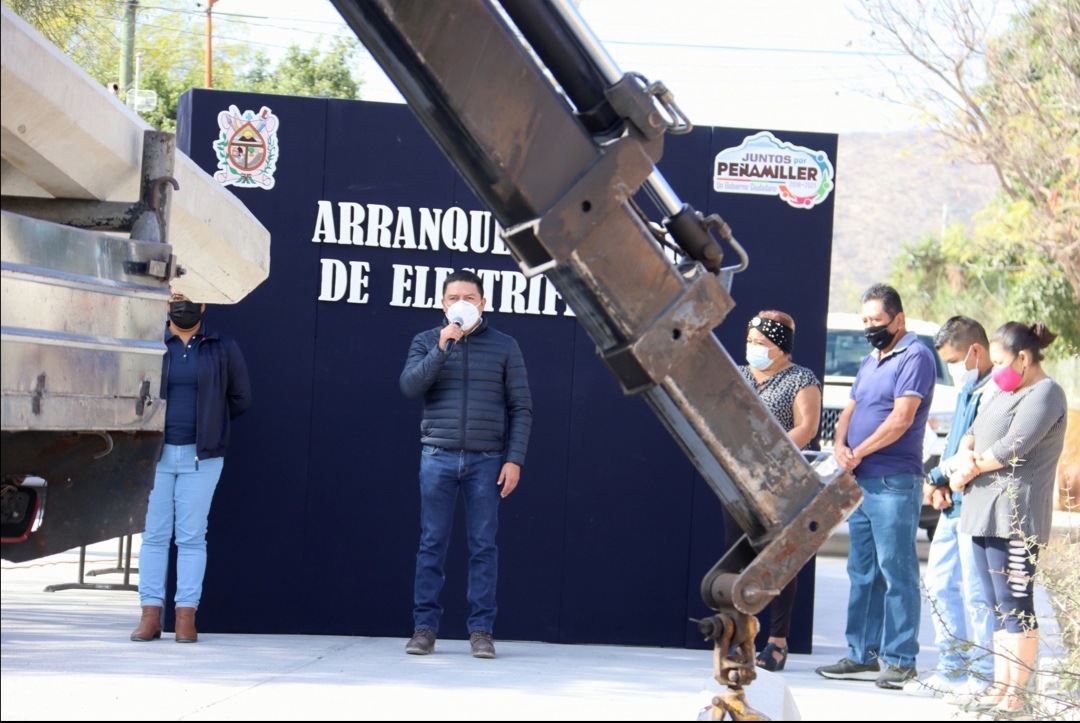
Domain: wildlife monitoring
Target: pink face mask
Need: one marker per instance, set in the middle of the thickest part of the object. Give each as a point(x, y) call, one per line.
point(1007, 378)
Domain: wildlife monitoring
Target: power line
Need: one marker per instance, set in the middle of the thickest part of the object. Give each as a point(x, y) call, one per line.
point(199, 33)
point(291, 28)
point(248, 41)
point(655, 66)
point(337, 23)
point(341, 25)
point(755, 49)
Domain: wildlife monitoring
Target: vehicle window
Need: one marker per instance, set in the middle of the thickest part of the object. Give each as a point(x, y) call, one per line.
point(943, 376)
point(845, 349)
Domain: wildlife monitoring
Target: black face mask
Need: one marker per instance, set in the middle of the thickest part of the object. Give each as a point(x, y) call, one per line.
point(879, 336)
point(185, 314)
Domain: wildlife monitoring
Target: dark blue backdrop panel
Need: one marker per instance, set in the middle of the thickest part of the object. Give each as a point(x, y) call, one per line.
point(363, 504)
point(532, 521)
point(686, 166)
point(608, 534)
point(628, 511)
point(789, 251)
point(257, 534)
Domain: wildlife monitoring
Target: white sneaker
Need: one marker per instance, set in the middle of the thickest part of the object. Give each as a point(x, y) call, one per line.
point(965, 693)
point(930, 686)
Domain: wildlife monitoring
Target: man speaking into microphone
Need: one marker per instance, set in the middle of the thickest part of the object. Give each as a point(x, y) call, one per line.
point(475, 429)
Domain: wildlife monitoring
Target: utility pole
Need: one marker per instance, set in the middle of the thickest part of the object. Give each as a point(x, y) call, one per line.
point(138, 59)
point(127, 45)
point(209, 43)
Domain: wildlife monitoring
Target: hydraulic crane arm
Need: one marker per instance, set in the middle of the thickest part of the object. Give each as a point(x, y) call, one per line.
point(556, 142)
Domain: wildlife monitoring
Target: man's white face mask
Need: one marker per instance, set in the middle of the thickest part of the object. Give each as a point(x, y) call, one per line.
point(961, 374)
point(463, 314)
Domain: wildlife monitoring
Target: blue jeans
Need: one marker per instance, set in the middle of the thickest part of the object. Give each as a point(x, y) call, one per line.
point(963, 618)
point(476, 474)
point(180, 503)
point(883, 567)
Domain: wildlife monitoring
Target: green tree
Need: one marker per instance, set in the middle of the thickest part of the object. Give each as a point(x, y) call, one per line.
point(84, 30)
point(1009, 98)
point(955, 274)
point(169, 40)
point(172, 59)
point(308, 72)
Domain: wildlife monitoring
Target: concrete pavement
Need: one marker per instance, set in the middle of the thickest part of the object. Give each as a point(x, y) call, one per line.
point(66, 655)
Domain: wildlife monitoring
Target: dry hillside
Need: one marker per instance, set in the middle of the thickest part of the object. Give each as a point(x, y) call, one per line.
point(890, 189)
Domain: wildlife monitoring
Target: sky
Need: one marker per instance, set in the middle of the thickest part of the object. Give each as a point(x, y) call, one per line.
point(776, 64)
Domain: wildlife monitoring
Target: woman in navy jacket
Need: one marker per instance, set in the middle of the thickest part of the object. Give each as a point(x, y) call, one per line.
point(205, 382)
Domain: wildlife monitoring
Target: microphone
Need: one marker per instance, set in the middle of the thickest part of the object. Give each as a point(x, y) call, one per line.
point(450, 342)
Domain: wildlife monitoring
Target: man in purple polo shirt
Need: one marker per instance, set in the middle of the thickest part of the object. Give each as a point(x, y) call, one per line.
point(879, 439)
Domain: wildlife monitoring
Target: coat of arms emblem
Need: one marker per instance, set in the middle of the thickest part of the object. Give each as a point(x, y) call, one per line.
point(247, 148)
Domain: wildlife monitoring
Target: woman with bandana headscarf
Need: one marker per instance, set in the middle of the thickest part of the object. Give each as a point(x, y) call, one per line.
point(793, 394)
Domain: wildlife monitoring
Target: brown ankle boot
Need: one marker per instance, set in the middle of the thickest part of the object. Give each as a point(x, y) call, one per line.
point(185, 626)
point(149, 625)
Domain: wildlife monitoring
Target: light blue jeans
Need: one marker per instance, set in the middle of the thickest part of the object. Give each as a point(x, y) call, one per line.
point(180, 503)
point(443, 473)
point(883, 567)
point(963, 619)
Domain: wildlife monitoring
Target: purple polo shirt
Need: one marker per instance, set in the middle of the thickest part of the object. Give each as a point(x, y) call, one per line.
point(907, 370)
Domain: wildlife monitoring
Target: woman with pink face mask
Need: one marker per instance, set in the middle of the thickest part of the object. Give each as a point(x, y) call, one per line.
point(1009, 456)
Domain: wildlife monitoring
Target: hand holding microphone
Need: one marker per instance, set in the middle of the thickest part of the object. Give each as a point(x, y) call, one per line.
point(450, 334)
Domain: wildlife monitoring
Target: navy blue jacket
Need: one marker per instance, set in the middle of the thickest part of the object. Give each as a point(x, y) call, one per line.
point(224, 389)
point(476, 397)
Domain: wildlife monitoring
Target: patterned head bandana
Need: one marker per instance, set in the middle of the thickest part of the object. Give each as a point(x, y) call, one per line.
point(780, 334)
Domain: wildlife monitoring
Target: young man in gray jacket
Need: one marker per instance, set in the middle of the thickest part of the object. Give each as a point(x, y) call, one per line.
point(475, 429)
